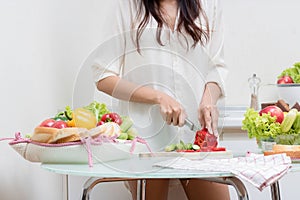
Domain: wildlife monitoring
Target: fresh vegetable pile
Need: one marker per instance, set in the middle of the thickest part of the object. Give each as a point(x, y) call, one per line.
point(272, 124)
point(90, 116)
point(290, 75)
point(203, 142)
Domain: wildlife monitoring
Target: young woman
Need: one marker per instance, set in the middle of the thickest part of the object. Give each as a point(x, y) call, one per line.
point(163, 64)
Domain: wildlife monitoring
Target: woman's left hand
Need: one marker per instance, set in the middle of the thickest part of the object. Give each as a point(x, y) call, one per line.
point(208, 117)
point(208, 113)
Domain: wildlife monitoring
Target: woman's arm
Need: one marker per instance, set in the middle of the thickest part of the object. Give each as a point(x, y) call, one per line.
point(215, 87)
point(171, 110)
point(208, 111)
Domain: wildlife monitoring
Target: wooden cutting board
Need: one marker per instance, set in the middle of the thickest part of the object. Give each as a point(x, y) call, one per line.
point(292, 151)
point(191, 155)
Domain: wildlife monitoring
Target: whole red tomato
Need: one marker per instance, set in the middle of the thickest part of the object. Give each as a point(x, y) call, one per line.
point(100, 123)
point(60, 124)
point(112, 117)
point(47, 123)
point(285, 80)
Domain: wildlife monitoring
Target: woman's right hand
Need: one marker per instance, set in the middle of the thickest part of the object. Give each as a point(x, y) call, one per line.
point(171, 110)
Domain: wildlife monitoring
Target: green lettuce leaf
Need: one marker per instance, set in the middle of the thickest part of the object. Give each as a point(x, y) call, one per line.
point(260, 127)
point(293, 72)
point(99, 109)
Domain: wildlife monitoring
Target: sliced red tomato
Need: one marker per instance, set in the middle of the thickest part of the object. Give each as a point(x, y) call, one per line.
point(185, 150)
point(218, 149)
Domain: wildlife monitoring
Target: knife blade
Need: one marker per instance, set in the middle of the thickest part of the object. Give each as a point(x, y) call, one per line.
point(191, 125)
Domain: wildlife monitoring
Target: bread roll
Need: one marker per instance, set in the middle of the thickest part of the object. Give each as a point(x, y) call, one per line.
point(109, 129)
point(54, 135)
point(72, 134)
point(44, 134)
point(71, 138)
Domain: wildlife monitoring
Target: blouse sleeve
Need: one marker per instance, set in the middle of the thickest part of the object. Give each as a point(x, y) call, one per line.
point(215, 48)
point(109, 55)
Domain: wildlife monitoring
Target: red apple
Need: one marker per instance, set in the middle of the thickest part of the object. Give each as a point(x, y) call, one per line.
point(48, 123)
point(274, 111)
point(285, 80)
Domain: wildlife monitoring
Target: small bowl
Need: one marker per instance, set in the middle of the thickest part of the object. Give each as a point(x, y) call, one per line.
point(290, 93)
point(267, 146)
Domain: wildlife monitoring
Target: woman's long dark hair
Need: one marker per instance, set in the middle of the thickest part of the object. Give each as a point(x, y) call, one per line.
point(190, 10)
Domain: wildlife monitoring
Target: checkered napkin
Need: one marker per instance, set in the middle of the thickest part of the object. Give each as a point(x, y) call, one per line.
point(259, 170)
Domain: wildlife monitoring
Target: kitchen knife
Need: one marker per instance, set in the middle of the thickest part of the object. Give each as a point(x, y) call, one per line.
point(191, 125)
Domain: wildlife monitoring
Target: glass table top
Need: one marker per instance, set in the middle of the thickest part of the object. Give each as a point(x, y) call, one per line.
point(135, 167)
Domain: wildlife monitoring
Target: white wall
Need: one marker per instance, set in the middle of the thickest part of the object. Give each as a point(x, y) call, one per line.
point(43, 44)
point(262, 37)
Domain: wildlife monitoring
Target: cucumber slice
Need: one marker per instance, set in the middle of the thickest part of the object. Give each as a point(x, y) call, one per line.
point(289, 120)
point(196, 147)
point(126, 123)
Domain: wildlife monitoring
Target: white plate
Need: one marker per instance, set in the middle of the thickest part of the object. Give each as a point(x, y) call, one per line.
point(77, 153)
point(290, 93)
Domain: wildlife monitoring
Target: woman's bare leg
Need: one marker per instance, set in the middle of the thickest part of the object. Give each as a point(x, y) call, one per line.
point(201, 189)
point(156, 189)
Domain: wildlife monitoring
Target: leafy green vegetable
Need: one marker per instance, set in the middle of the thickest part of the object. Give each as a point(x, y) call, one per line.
point(132, 133)
point(296, 125)
point(170, 148)
point(123, 136)
point(293, 72)
point(68, 112)
point(292, 139)
point(98, 109)
point(127, 123)
point(260, 127)
point(297, 65)
point(180, 145)
point(266, 128)
point(65, 115)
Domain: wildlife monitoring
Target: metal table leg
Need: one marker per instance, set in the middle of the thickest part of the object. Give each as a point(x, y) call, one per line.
point(275, 191)
point(141, 189)
point(65, 187)
point(93, 181)
point(235, 182)
point(141, 186)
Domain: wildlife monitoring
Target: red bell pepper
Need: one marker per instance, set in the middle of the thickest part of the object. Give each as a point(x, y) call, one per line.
point(205, 140)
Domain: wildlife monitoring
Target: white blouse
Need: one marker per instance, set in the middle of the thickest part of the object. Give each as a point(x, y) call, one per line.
point(172, 68)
